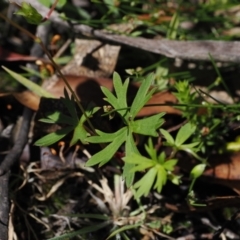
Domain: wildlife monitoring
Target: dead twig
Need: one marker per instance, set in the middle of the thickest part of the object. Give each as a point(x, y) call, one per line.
point(189, 50)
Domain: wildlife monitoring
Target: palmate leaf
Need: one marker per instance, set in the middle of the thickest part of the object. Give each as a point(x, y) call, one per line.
point(170, 164)
point(110, 97)
point(168, 137)
point(106, 137)
point(80, 132)
point(120, 89)
point(143, 95)
point(107, 153)
point(184, 133)
point(53, 137)
point(161, 178)
point(138, 162)
point(152, 152)
point(130, 148)
point(148, 126)
point(145, 184)
point(120, 100)
point(157, 169)
point(29, 13)
point(57, 117)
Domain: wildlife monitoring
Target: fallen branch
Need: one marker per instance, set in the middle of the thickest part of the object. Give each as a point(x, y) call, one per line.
point(189, 50)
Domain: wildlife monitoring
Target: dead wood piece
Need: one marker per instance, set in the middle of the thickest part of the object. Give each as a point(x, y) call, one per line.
point(4, 206)
point(194, 50)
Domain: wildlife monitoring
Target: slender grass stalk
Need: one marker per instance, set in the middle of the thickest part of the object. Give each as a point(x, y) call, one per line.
point(39, 41)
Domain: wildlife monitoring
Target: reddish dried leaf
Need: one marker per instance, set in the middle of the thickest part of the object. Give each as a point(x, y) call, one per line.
point(225, 170)
point(6, 55)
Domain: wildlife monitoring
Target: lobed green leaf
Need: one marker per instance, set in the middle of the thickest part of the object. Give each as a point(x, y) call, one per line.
point(168, 137)
point(53, 137)
point(79, 133)
point(148, 126)
point(57, 117)
point(107, 153)
point(106, 137)
point(161, 178)
point(184, 133)
point(120, 89)
point(150, 149)
point(142, 97)
point(170, 164)
point(29, 13)
point(145, 184)
point(130, 147)
point(141, 162)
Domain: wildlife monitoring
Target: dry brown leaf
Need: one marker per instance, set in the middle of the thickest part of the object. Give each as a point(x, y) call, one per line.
point(225, 170)
point(28, 99)
point(88, 89)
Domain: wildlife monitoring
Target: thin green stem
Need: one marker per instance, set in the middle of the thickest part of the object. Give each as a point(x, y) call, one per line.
point(38, 40)
point(68, 85)
point(191, 185)
point(229, 107)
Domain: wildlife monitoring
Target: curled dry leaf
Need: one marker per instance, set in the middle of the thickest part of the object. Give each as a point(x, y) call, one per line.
point(225, 170)
point(88, 89)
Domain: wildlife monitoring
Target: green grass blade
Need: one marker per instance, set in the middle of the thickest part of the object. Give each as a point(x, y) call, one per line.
point(84, 230)
point(29, 84)
point(122, 229)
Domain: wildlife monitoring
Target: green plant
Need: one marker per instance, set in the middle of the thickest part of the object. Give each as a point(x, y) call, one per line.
point(158, 168)
point(195, 173)
point(147, 126)
point(203, 114)
point(184, 133)
point(73, 122)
